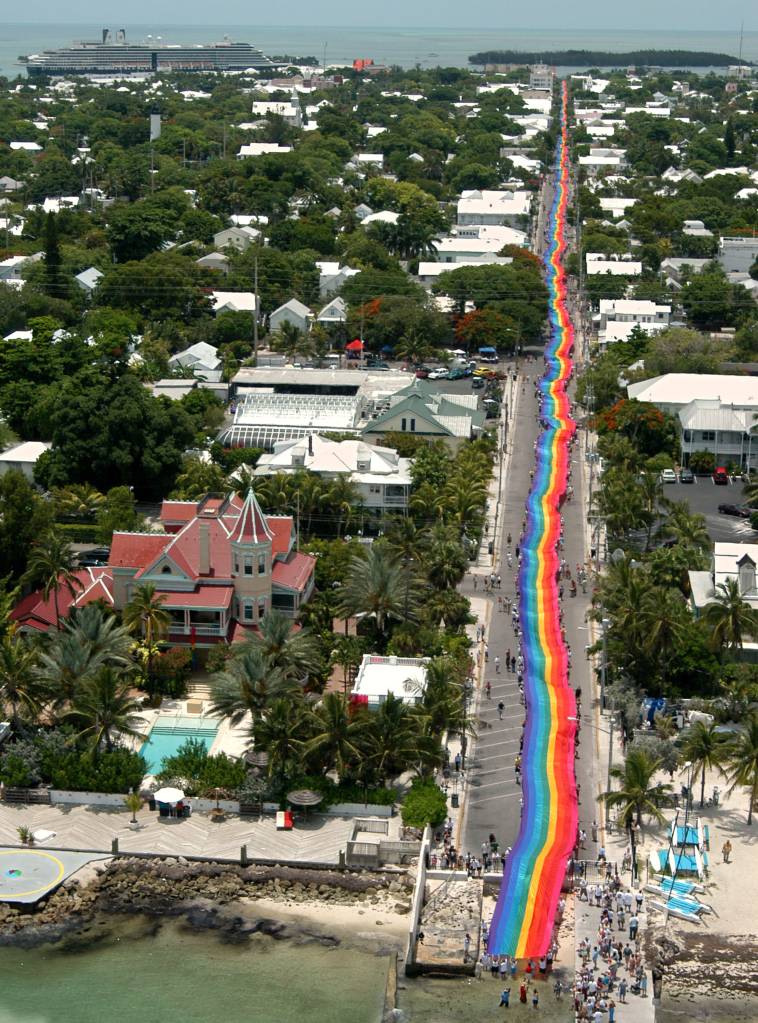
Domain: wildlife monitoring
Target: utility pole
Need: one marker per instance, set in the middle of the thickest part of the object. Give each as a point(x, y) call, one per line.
point(604, 663)
point(255, 313)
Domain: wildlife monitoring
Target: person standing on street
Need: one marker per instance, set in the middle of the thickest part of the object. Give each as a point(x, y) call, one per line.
point(500, 709)
point(497, 665)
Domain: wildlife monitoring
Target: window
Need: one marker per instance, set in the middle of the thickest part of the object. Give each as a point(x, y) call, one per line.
point(375, 488)
point(248, 613)
point(261, 608)
point(708, 435)
point(236, 564)
point(248, 564)
point(413, 425)
point(261, 564)
point(403, 425)
point(166, 570)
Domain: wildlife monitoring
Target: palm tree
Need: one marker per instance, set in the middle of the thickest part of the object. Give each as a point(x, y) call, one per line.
point(731, 619)
point(742, 762)
point(293, 652)
point(342, 497)
point(409, 542)
point(685, 526)
point(281, 733)
point(338, 733)
point(376, 586)
point(739, 692)
point(247, 686)
point(290, 339)
point(102, 707)
point(413, 347)
point(704, 747)
point(51, 564)
point(347, 653)
point(636, 795)
point(22, 692)
point(664, 620)
point(394, 742)
point(145, 616)
point(78, 501)
point(100, 631)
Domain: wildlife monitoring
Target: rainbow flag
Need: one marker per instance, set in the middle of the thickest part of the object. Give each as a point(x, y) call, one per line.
point(522, 925)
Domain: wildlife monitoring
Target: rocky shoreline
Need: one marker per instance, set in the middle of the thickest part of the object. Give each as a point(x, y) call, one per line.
point(700, 965)
point(204, 895)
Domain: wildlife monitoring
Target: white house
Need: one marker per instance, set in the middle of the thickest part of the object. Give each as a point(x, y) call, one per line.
point(8, 184)
point(288, 111)
point(378, 677)
point(696, 229)
point(488, 206)
point(236, 238)
point(201, 358)
point(728, 433)
point(233, 302)
point(332, 276)
point(214, 261)
point(89, 279)
point(617, 266)
point(618, 317)
point(428, 273)
point(26, 147)
point(731, 561)
point(332, 313)
point(737, 253)
point(23, 457)
point(262, 149)
point(381, 477)
point(293, 312)
point(672, 391)
point(616, 207)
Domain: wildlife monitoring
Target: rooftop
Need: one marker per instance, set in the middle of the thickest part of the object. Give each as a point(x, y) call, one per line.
point(378, 677)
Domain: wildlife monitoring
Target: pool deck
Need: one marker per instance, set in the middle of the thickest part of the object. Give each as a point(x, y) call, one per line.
point(92, 829)
point(232, 740)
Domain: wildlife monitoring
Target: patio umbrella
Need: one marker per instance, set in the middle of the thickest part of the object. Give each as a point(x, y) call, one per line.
point(354, 346)
point(257, 758)
point(168, 795)
point(304, 797)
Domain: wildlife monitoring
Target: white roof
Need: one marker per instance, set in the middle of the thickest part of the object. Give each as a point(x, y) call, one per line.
point(262, 149)
point(295, 306)
point(682, 388)
point(27, 452)
point(490, 246)
point(704, 414)
point(353, 457)
point(233, 301)
point(199, 354)
point(89, 277)
point(631, 307)
point(435, 269)
point(404, 677)
point(381, 217)
point(620, 330)
point(597, 263)
point(489, 201)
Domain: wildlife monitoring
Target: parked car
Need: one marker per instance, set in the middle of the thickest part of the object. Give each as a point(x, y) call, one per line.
point(686, 476)
point(720, 476)
point(739, 511)
point(94, 556)
point(377, 364)
point(477, 383)
point(438, 373)
point(422, 372)
point(668, 476)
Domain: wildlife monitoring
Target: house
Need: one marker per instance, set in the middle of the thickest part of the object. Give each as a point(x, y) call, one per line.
point(262, 149)
point(362, 211)
point(380, 217)
point(8, 184)
point(369, 160)
point(673, 391)
point(233, 302)
point(23, 457)
point(290, 112)
point(616, 207)
point(221, 566)
point(459, 249)
point(236, 238)
point(174, 388)
point(35, 613)
point(201, 358)
point(676, 268)
point(332, 313)
point(89, 279)
point(705, 424)
point(730, 562)
point(379, 677)
point(696, 229)
point(618, 318)
point(451, 418)
point(382, 479)
point(541, 77)
point(332, 276)
point(293, 312)
point(214, 261)
point(737, 253)
point(617, 266)
point(488, 206)
point(428, 273)
point(26, 147)
point(12, 267)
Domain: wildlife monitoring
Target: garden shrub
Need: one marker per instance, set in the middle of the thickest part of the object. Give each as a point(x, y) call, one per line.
point(200, 774)
point(424, 804)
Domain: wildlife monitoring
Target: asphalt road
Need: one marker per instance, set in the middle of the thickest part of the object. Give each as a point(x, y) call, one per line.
point(704, 496)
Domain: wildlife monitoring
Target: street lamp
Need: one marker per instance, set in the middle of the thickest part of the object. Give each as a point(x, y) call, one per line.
point(604, 662)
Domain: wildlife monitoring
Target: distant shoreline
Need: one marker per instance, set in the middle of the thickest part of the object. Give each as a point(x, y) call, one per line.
point(605, 58)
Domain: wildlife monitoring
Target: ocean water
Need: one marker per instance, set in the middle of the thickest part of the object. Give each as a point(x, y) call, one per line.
point(145, 973)
point(407, 46)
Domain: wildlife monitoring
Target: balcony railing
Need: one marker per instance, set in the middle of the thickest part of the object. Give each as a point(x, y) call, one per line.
point(199, 630)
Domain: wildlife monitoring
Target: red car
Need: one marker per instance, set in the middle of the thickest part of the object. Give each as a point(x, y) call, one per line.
point(720, 476)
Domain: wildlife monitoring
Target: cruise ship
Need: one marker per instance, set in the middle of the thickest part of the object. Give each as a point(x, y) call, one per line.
point(117, 56)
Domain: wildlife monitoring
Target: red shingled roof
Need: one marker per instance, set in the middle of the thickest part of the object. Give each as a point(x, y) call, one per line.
point(34, 612)
point(251, 525)
point(294, 572)
point(135, 550)
point(201, 597)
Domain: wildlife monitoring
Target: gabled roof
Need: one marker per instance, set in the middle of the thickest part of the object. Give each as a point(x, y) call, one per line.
point(251, 526)
point(294, 572)
point(294, 306)
point(35, 612)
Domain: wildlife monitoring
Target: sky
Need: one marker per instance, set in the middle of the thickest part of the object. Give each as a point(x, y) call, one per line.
point(690, 15)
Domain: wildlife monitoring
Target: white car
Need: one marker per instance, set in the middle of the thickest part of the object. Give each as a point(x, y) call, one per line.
point(440, 373)
point(668, 476)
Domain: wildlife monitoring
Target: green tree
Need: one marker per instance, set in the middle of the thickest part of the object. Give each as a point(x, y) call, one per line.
point(51, 565)
point(704, 747)
point(294, 653)
point(53, 262)
point(22, 692)
point(282, 733)
point(247, 686)
point(103, 708)
point(338, 736)
point(377, 586)
point(742, 763)
point(117, 512)
point(636, 795)
point(24, 517)
point(146, 617)
point(730, 618)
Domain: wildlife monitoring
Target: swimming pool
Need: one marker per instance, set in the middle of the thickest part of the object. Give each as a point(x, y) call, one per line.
point(169, 733)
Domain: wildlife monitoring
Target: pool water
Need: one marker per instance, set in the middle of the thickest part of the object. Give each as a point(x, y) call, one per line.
point(169, 733)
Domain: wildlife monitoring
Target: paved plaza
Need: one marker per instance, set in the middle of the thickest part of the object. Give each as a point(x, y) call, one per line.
point(318, 838)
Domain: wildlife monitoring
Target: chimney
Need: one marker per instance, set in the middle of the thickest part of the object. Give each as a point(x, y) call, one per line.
point(204, 566)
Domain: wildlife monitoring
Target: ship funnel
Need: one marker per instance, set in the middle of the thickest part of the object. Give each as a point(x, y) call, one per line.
point(121, 35)
point(106, 33)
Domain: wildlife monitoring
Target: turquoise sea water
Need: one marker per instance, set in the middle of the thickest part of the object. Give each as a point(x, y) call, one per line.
point(407, 46)
point(175, 976)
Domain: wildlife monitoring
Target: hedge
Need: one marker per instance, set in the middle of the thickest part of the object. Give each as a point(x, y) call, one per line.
point(345, 792)
point(424, 804)
point(79, 532)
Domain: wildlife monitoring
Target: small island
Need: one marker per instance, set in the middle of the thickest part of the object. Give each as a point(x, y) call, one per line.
point(604, 58)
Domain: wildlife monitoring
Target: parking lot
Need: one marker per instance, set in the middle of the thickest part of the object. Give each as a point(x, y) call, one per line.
point(704, 496)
